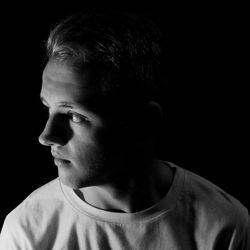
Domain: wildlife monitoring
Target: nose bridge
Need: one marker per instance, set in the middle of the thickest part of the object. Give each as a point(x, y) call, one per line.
point(51, 133)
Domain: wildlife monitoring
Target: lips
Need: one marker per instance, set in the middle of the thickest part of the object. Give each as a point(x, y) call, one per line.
point(59, 157)
point(62, 160)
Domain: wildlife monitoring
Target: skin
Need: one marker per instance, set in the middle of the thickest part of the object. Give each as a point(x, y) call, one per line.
point(96, 154)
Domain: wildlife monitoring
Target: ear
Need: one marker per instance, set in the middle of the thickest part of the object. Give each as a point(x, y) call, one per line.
point(154, 112)
point(152, 118)
point(148, 122)
point(148, 119)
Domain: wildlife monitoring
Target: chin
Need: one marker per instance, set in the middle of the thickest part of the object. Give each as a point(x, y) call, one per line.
point(72, 182)
point(77, 183)
point(68, 182)
point(76, 177)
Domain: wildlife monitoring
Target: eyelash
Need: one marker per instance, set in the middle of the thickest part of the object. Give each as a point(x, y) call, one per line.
point(71, 115)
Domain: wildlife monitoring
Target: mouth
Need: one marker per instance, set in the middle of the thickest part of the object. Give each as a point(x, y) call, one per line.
point(61, 162)
point(60, 159)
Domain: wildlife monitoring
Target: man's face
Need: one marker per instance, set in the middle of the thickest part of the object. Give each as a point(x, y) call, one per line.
point(82, 141)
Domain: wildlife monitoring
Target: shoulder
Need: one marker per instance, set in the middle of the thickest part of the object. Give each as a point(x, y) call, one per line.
point(38, 205)
point(211, 204)
point(205, 190)
point(215, 216)
point(32, 218)
point(50, 192)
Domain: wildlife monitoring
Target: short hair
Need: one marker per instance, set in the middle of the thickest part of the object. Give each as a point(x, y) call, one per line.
point(124, 44)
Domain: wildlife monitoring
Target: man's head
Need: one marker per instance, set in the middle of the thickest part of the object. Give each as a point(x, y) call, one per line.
point(123, 49)
point(99, 84)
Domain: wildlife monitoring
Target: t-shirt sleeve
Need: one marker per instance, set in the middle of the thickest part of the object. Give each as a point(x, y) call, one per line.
point(245, 241)
point(224, 222)
point(241, 237)
point(12, 236)
point(7, 239)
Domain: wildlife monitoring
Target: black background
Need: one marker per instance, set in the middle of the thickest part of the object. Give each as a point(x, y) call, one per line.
point(205, 99)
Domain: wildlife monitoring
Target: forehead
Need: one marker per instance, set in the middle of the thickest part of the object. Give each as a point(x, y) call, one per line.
point(60, 82)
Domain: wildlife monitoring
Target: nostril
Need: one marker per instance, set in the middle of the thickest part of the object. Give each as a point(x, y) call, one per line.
point(43, 140)
point(55, 132)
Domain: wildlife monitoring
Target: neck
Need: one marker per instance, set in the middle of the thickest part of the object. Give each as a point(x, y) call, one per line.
point(134, 193)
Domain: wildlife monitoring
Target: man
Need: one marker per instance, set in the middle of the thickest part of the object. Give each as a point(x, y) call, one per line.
point(99, 86)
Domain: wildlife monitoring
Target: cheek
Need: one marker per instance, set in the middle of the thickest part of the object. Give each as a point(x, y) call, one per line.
point(98, 141)
point(89, 157)
point(85, 141)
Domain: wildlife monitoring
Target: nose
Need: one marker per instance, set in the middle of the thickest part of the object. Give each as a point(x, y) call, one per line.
point(52, 133)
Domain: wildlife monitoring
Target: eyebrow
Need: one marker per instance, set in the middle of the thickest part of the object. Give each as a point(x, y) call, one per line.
point(63, 104)
point(67, 105)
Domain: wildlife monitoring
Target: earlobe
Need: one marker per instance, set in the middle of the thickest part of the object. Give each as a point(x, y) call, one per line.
point(154, 109)
point(150, 123)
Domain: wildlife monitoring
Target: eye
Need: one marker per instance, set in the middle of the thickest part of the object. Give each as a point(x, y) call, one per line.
point(76, 118)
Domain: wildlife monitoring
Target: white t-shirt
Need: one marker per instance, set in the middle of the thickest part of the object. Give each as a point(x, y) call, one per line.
point(195, 214)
